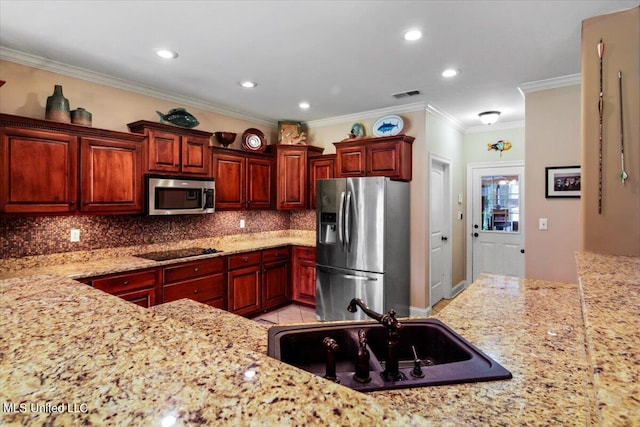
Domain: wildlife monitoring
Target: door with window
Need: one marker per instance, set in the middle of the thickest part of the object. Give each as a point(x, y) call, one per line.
point(497, 220)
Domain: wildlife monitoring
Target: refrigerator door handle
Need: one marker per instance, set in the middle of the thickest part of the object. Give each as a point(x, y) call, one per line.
point(347, 222)
point(347, 276)
point(341, 220)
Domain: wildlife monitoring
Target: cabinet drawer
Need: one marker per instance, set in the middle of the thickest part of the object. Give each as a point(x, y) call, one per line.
point(244, 260)
point(305, 252)
point(125, 282)
point(276, 254)
point(191, 270)
point(201, 289)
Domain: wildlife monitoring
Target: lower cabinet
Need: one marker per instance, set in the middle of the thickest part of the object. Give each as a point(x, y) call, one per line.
point(202, 281)
point(243, 281)
point(304, 275)
point(275, 277)
point(138, 287)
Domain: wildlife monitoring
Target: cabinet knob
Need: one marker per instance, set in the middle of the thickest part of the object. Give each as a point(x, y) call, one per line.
point(245, 259)
point(126, 282)
point(195, 291)
point(195, 269)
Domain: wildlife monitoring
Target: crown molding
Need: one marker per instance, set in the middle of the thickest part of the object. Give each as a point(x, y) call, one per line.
point(556, 82)
point(495, 126)
point(46, 64)
point(439, 112)
point(407, 108)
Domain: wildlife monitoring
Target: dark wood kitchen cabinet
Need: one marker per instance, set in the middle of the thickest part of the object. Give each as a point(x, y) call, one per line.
point(389, 156)
point(291, 174)
point(111, 178)
point(39, 171)
point(174, 150)
point(244, 280)
point(202, 281)
point(243, 180)
point(138, 287)
point(304, 275)
point(51, 167)
point(320, 167)
point(276, 275)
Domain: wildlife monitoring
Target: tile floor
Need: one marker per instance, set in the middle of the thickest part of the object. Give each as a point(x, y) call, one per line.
point(295, 313)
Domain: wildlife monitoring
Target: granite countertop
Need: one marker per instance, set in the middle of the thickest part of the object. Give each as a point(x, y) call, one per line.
point(572, 349)
point(82, 264)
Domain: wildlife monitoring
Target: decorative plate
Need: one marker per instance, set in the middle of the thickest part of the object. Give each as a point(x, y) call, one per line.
point(253, 140)
point(388, 126)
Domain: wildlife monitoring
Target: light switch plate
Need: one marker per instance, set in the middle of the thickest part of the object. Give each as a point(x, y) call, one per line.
point(242, 223)
point(74, 235)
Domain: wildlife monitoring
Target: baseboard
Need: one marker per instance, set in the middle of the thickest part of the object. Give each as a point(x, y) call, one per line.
point(419, 312)
point(458, 288)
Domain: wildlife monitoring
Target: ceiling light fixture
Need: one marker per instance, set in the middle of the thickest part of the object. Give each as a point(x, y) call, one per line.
point(166, 53)
point(450, 72)
point(248, 84)
point(489, 117)
point(304, 105)
point(413, 35)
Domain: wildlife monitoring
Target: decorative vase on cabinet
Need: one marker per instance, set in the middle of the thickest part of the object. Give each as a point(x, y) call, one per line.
point(57, 108)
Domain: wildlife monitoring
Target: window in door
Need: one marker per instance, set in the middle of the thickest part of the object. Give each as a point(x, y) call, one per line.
point(500, 203)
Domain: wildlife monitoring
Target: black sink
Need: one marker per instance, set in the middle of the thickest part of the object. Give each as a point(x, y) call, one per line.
point(445, 357)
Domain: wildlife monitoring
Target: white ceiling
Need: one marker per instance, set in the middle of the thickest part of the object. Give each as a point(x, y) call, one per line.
point(343, 57)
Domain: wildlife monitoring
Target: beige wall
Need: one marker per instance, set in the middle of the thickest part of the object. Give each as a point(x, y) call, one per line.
point(553, 139)
point(476, 149)
point(26, 90)
point(617, 229)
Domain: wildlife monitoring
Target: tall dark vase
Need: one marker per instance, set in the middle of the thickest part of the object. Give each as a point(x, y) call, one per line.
point(58, 107)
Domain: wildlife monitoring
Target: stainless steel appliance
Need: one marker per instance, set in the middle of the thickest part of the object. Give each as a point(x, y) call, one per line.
point(362, 246)
point(173, 195)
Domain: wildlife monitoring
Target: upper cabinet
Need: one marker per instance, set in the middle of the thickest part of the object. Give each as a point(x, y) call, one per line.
point(243, 179)
point(320, 167)
point(385, 156)
point(291, 175)
point(50, 167)
point(174, 150)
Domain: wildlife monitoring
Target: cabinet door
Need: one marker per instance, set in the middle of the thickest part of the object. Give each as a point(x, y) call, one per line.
point(304, 275)
point(383, 159)
point(259, 191)
point(350, 162)
point(244, 290)
point(111, 176)
point(39, 171)
point(291, 179)
point(196, 158)
point(144, 298)
point(321, 167)
point(163, 151)
point(229, 173)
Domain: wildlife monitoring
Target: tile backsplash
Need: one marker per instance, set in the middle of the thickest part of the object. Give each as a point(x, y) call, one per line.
point(27, 236)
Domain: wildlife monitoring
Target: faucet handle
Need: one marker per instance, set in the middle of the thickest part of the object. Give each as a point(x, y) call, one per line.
point(389, 320)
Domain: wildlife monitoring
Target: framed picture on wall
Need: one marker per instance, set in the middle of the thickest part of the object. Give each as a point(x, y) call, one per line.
point(562, 181)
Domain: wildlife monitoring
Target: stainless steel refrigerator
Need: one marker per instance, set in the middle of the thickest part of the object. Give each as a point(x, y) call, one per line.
point(362, 246)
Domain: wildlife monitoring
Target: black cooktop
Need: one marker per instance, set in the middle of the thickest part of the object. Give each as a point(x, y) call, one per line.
point(177, 253)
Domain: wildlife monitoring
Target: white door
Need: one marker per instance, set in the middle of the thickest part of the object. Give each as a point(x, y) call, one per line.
point(497, 220)
point(440, 249)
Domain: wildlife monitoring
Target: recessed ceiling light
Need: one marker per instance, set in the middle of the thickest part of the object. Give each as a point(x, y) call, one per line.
point(450, 72)
point(248, 84)
point(304, 105)
point(166, 53)
point(412, 35)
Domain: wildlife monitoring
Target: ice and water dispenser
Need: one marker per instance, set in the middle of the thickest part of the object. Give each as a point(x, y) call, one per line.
point(328, 228)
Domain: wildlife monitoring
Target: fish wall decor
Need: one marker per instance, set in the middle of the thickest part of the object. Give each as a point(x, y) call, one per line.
point(179, 117)
point(500, 146)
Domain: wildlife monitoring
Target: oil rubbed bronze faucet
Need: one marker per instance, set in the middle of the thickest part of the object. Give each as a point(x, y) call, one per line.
point(391, 370)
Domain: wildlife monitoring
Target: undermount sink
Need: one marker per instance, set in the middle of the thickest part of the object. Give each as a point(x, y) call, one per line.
point(445, 357)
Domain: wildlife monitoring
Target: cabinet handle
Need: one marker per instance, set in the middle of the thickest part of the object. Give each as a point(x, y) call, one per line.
point(195, 291)
point(195, 269)
point(126, 282)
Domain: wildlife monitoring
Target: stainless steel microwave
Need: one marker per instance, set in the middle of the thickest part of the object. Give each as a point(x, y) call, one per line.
point(174, 195)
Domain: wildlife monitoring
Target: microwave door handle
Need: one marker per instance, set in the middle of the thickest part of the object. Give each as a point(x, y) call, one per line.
point(341, 220)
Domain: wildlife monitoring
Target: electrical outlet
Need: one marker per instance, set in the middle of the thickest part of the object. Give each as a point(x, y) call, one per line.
point(242, 223)
point(74, 236)
point(542, 223)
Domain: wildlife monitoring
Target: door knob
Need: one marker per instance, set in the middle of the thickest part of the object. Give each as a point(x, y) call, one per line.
point(475, 234)
point(444, 238)
point(475, 226)
point(521, 251)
